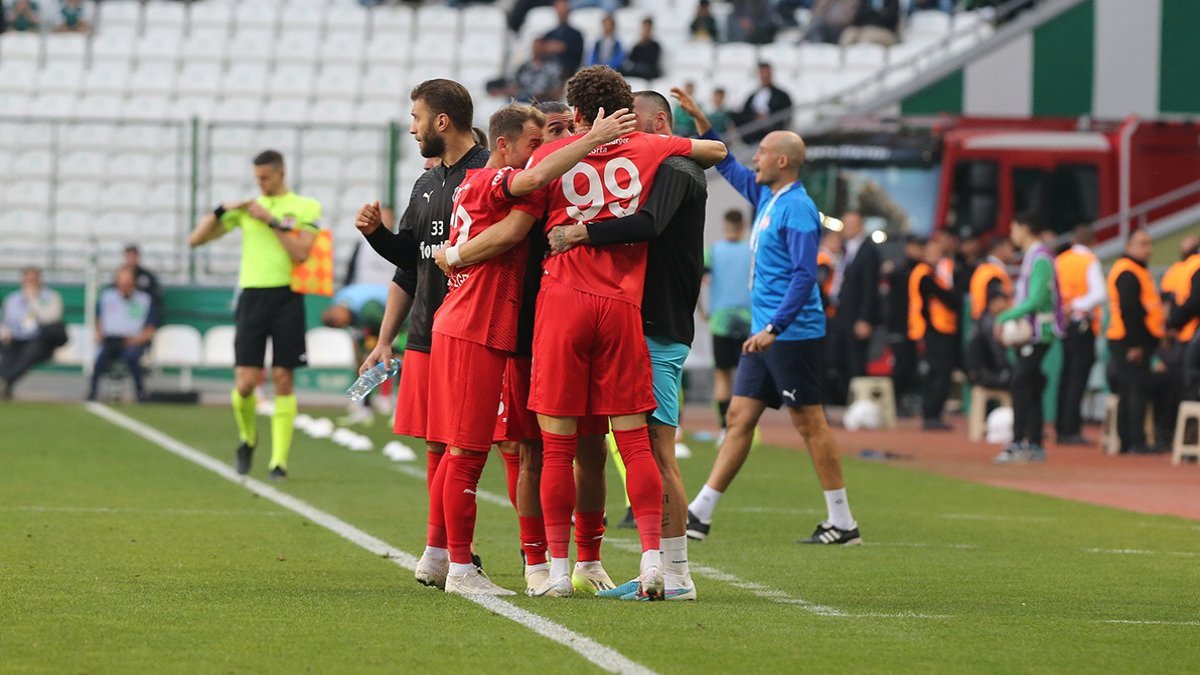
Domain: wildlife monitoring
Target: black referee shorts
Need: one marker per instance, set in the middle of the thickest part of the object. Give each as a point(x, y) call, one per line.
point(727, 349)
point(788, 373)
point(277, 313)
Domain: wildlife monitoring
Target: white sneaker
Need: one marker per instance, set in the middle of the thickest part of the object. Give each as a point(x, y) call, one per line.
point(432, 571)
point(652, 582)
point(535, 577)
point(474, 582)
point(590, 577)
point(554, 588)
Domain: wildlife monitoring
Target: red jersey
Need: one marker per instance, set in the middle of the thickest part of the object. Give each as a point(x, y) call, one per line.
point(484, 299)
point(609, 183)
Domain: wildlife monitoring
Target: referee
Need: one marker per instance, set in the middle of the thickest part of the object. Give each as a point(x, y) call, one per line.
point(278, 231)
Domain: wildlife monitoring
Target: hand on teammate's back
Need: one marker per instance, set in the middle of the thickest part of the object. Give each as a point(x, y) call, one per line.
point(370, 217)
point(610, 128)
point(566, 237)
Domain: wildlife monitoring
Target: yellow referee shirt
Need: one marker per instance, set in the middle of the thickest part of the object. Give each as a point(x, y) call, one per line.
point(265, 263)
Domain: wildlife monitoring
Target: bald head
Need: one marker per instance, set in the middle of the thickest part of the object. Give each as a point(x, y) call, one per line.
point(779, 158)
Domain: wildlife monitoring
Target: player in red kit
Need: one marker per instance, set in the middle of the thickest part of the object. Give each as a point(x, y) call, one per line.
point(589, 351)
point(476, 327)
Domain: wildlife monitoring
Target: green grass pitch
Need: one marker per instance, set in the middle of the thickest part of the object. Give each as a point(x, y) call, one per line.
point(117, 557)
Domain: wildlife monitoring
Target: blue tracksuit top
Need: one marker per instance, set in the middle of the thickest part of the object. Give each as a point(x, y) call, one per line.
point(785, 239)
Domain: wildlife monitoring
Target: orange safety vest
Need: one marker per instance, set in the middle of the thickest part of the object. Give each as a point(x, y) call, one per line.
point(1155, 319)
point(314, 276)
point(1178, 282)
point(981, 279)
point(825, 259)
point(1072, 266)
point(941, 316)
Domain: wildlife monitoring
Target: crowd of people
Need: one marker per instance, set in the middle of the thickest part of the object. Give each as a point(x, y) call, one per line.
point(28, 16)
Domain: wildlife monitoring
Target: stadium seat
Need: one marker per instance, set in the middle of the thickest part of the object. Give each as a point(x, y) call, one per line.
point(178, 346)
point(782, 56)
point(819, 56)
point(296, 48)
point(18, 78)
point(66, 47)
point(25, 223)
point(325, 140)
point(115, 14)
point(330, 348)
point(77, 193)
point(32, 194)
point(430, 58)
point(538, 22)
point(864, 56)
point(188, 106)
point(390, 23)
point(15, 47)
point(116, 225)
point(697, 54)
point(83, 164)
point(159, 46)
point(34, 164)
point(226, 166)
point(153, 77)
point(487, 50)
point(379, 111)
point(106, 48)
point(199, 79)
point(59, 77)
point(238, 109)
point(28, 135)
point(258, 16)
point(213, 16)
point(53, 105)
point(131, 165)
point(106, 78)
point(321, 169)
point(346, 19)
point(736, 57)
point(437, 20)
point(161, 16)
point(342, 49)
point(484, 20)
point(203, 46)
point(302, 17)
point(331, 111)
point(75, 222)
point(249, 79)
point(218, 347)
point(124, 195)
point(77, 349)
point(928, 23)
point(292, 81)
point(85, 136)
point(286, 110)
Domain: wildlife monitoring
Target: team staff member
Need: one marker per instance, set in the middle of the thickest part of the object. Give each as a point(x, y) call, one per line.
point(856, 287)
point(1081, 282)
point(278, 231)
point(1135, 327)
point(1182, 282)
point(728, 265)
point(442, 111)
point(990, 278)
point(672, 221)
point(933, 320)
point(781, 362)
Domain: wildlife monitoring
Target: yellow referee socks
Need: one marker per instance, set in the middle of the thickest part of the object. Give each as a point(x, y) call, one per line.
point(615, 454)
point(244, 414)
point(281, 429)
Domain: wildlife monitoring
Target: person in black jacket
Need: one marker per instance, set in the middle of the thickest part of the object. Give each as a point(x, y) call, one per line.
point(986, 361)
point(645, 59)
point(856, 289)
point(764, 110)
point(895, 306)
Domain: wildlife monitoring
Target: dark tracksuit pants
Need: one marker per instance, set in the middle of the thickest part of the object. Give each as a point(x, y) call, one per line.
point(941, 354)
point(1131, 382)
point(1079, 355)
point(1028, 385)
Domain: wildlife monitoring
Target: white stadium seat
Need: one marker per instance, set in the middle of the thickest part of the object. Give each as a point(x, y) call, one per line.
point(292, 81)
point(178, 346)
point(864, 55)
point(188, 106)
point(109, 48)
point(34, 164)
point(153, 78)
point(51, 104)
point(210, 16)
point(348, 19)
point(60, 77)
point(486, 50)
point(391, 23)
point(113, 14)
point(484, 20)
point(66, 47)
point(127, 195)
point(106, 78)
point(78, 347)
point(342, 49)
point(99, 106)
point(310, 18)
point(131, 165)
point(204, 46)
point(737, 57)
point(438, 20)
point(238, 109)
point(33, 194)
point(79, 193)
point(159, 47)
point(83, 136)
point(927, 23)
point(297, 48)
point(19, 78)
point(199, 79)
point(820, 56)
point(116, 225)
point(218, 347)
point(330, 348)
point(75, 222)
point(249, 79)
point(338, 82)
point(16, 47)
point(256, 15)
point(331, 111)
point(286, 110)
point(83, 164)
point(165, 16)
point(26, 223)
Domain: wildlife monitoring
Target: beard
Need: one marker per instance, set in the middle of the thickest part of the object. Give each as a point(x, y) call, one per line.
point(433, 144)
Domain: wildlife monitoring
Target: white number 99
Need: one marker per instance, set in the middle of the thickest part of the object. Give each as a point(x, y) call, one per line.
point(593, 200)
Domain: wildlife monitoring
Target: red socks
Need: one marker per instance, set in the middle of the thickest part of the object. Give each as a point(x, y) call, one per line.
point(643, 484)
point(558, 490)
point(432, 459)
point(589, 533)
point(458, 498)
point(533, 539)
point(435, 536)
point(512, 469)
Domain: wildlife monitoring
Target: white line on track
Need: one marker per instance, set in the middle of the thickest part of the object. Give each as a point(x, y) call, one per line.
point(605, 657)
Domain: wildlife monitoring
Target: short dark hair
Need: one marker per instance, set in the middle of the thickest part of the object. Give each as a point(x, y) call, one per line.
point(655, 99)
point(510, 121)
point(1083, 235)
point(1031, 220)
point(446, 97)
point(480, 135)
point(597, 87)
point(269, 158)
point(648, 21)
point(735, 216)
point(553, 107)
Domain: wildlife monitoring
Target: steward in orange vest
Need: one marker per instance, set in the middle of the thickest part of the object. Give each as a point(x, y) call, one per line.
point(990, 278)
point(1083, 293)
point(1136, 325)
point(933, 319)
point(1181, 290)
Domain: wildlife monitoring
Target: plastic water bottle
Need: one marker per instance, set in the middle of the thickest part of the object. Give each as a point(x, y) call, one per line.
point(374, 377)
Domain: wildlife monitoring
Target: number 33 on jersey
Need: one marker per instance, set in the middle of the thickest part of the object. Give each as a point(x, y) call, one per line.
point(611, 182)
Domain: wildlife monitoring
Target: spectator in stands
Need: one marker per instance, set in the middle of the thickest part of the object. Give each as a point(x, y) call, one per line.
point(856, 289)
point(751, 21)
point(539, 79)
point(144, 279)
point(704, 27)
point(645, 59)
point(1081, 283)
point(24, 16)
point(682, 123)
point(608, 50)
point(876, 22)
point(1037, 302)
point(73, 18)
point(564, 43)
point(1135, 327)
point(125, 324)
point(30, 329)
point(1182, 283)
point(718, 114)
point(767, 109)
point(829, 19)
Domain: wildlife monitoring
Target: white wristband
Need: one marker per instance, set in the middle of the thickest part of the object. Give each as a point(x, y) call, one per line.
point(452, 256)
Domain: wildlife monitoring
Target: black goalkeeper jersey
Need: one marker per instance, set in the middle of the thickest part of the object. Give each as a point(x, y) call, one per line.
point(672, 220)
point(424, 227)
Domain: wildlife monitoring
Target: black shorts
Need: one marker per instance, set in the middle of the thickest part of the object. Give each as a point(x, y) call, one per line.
point(790, 373)
point(727, 349)
point(277, 313)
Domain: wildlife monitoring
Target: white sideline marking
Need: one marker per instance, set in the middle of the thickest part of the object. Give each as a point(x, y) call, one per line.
point(1138, 551)
point(480, 495)
point(153, 512)
point(905, 544)
point(605, 657)
point(997, 517)
point(1150, 623)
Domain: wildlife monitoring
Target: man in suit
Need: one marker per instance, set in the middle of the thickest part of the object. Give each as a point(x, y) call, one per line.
point(856, 289)
point(763, 108)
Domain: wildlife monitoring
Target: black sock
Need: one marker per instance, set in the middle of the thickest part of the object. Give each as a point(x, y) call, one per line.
point(722, 410)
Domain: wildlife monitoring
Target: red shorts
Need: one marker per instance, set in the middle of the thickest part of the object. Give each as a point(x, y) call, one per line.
point(468, 380)
point(412, 399)
point(590, 355)
point(516, 422)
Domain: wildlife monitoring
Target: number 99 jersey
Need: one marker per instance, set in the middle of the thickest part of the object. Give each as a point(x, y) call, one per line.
point(610, 182)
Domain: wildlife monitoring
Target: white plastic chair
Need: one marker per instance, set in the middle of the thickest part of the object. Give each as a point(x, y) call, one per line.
point(161, 16)
point(206, 46)
point(347, 18)
point(106, 78)
point(74, 351)
point(33, 194)
point(199, 79)
point(330, 348)
point(16, 47)
point(178, 346)
point(218, 347)
point(62, 47)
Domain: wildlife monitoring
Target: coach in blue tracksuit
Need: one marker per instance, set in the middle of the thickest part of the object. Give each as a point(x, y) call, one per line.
point(781, 363)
